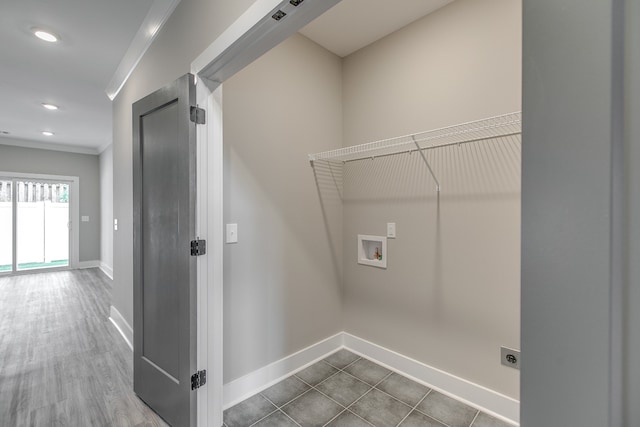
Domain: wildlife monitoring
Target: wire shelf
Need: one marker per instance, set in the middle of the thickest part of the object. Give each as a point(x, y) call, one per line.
point(478, 130)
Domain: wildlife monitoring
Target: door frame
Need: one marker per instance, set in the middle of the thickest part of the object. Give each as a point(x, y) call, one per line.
point(240, 44)
point(209, 226)
point(253, 34)
point(74, 218)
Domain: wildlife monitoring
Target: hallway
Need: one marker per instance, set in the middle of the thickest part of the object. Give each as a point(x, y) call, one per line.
point(62, 363)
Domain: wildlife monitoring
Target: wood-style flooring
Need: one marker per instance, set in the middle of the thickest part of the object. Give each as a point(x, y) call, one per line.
point(62, 363)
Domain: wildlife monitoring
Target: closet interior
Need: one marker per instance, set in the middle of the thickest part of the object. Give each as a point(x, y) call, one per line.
point(446, 201)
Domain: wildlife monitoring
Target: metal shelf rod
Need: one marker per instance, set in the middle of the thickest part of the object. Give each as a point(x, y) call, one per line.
point(426, 162)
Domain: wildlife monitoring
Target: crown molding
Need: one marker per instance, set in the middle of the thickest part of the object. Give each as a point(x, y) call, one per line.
point(156, 17)
point(48, 146)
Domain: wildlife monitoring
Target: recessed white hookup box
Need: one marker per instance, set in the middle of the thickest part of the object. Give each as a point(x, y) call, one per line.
point(372, 250)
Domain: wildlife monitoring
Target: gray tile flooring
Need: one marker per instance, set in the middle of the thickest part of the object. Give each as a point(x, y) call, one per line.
point(345, 390)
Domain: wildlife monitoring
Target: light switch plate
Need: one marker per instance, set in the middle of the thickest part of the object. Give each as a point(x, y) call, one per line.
point(391, 230)
point(85, 218)
point(115, 224)
point(232, 233)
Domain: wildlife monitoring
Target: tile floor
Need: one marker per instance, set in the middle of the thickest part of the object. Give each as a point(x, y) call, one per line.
point(345, 390)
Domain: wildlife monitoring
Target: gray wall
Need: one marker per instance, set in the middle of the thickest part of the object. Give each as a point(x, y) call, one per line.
point(282, 279)
point(632, 155)
point(85, 166)
point(106, 208)
point(288, 298)
point(570, 222)
point(192, 27)
point(450, 296)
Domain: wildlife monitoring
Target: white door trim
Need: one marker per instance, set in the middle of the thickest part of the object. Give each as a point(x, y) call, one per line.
point(250, 36)
point(210, 267)
point(74, 214)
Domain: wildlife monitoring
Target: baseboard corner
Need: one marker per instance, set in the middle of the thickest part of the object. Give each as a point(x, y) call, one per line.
point(254, 382)
point(122, 326)
point(88, 264)
point(106, 269)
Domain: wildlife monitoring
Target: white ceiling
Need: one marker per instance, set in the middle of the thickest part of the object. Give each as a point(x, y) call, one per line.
point(72, 73)
point(96, 35)
point(354, 24)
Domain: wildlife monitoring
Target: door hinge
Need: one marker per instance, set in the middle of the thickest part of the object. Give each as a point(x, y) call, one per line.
point(197, 115)
point(198, 379)
point(198, 247)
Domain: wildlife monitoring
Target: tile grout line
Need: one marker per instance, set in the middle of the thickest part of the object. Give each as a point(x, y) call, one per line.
point(432, 417)
point(345, 408)
point(343, 370)
point(346, 366)
point(287, 415)
point(269, 414)
point(474, 419)
point(313, 388)
point(334, 417)
point(368, 391)
point(291, 400)
point(348, 411)
point(414, 408)
point(393, 397)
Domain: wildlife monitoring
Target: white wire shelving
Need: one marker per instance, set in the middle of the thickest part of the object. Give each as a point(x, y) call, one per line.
point(479, 130)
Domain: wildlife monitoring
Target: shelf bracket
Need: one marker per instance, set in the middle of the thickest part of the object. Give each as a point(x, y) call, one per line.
point(426, 162)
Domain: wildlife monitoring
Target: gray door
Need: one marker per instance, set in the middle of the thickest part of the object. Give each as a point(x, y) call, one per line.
point(164, 291)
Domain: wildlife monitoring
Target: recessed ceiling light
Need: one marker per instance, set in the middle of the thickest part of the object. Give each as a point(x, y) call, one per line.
point(47, 133)
point(45, 35)
point(49, 106)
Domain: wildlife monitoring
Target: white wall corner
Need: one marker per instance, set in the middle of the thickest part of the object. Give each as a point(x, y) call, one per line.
point(104, 146)
point(107, 270)
point(122, 326)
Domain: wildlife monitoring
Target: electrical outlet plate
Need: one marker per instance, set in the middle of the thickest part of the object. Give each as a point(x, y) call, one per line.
point(510, 357)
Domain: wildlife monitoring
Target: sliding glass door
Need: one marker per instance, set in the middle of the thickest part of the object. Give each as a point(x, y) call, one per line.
point(34, 224)
point(42, 224)
point(6, 225)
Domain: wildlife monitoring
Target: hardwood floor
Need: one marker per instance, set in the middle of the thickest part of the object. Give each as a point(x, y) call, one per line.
point(62, 363)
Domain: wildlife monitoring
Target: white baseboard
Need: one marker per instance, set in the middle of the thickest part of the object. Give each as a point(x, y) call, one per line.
point(88, 264)
point(482, 398)
point(475, 395)
point(122, 326)
point(238, 390)
point(107, 270)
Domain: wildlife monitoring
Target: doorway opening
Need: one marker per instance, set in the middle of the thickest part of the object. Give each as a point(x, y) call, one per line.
point(417, 65)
